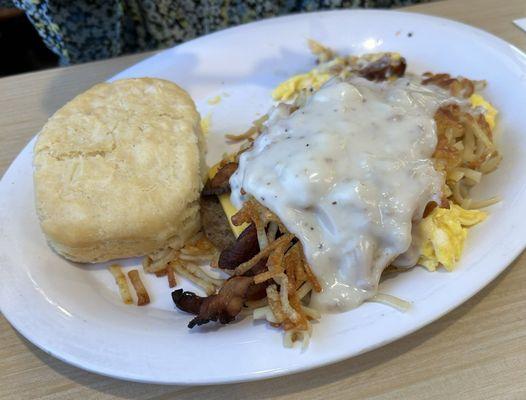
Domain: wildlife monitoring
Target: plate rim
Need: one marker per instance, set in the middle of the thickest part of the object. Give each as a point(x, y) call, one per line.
point(252, 376)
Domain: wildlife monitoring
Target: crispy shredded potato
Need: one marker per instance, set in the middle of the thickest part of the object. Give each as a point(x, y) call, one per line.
point(197, 249)
point(304, 289)
point(274, 303)
point(250, 213)
point(292, 261)
point(172, 282)
point(264, 313)
point(322, 53)
point(274, 264)
point(465, 152)
point(196, 258)
point(293, 279)
point(291, 314)
point(181, 269)
point(161, 273)
point(292, 336)
point(158, 260)
point(120, 280)
point(459, 87)
point(311, 313)
point(255, 129)
point(200, 273)
point(312, 278)
point(167, 262)
point(142, 295)
point(272, 231)
point(246, 266)
point(393, 301)
point(286, 265)
point(265, 276)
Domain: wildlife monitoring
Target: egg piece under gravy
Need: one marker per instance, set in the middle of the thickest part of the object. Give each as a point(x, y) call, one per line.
point(349, 173)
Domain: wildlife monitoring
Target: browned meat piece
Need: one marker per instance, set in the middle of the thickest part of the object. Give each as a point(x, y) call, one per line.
point(245, 247)
point(223, 306)
point(258, 268)
point(187, 301)
point(257, 291)
point(383, 68)
point(219, 184)
point(215, 223)
point(457, 86)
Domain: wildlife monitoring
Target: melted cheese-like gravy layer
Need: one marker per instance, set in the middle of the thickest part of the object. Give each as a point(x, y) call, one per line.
point(349, 173)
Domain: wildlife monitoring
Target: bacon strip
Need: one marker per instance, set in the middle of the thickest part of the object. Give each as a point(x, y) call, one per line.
point(223, 306)
point(243, 249)
point(220, 184)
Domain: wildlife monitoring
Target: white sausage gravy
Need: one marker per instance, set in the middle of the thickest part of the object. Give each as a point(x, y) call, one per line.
point(349, 173)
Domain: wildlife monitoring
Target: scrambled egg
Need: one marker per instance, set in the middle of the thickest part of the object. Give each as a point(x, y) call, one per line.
point(490, 114)
point(444, 232)
point(214, 100)
point(292, 86)
point(205, 124)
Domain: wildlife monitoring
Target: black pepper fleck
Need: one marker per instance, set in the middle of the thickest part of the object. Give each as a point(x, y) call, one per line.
point(262, 198)
point(307, 145)
point(334, 203)
point(410, 34)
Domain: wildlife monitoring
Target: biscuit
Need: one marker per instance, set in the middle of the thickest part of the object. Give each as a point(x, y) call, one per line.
point(118, 171)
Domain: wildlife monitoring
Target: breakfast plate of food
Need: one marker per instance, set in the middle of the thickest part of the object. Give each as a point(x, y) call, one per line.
point(270, 198)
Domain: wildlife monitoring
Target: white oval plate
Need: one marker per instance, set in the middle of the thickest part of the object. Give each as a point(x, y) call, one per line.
point(74, 312)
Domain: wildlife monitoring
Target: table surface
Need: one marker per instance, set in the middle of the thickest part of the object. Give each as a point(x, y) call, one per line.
point(477, 351)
